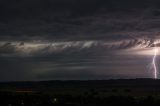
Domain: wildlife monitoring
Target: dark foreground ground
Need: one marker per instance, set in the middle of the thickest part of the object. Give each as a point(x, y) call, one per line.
point(137, 92)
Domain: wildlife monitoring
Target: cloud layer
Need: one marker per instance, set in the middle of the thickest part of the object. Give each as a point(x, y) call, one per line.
point(77, 39)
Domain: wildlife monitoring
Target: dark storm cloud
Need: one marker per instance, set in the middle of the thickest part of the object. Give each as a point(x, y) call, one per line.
point(78, 19)
point(77, 39)
point(7, 48)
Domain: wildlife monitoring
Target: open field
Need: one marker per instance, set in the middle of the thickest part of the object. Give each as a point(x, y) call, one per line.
point(133, 87)
point(140, 92)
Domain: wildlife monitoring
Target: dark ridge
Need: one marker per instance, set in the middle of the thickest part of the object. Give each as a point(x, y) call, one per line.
point(116, 83)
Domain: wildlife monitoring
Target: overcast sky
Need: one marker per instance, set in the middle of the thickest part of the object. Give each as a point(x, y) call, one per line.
point(78, 39)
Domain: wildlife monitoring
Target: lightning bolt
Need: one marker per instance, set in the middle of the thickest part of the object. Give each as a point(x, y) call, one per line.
point(154, 62)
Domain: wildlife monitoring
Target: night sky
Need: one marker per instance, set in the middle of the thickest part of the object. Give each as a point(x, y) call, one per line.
point(78, 39)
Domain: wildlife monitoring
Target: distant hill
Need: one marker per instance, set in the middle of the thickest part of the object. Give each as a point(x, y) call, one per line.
point(149, 83)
